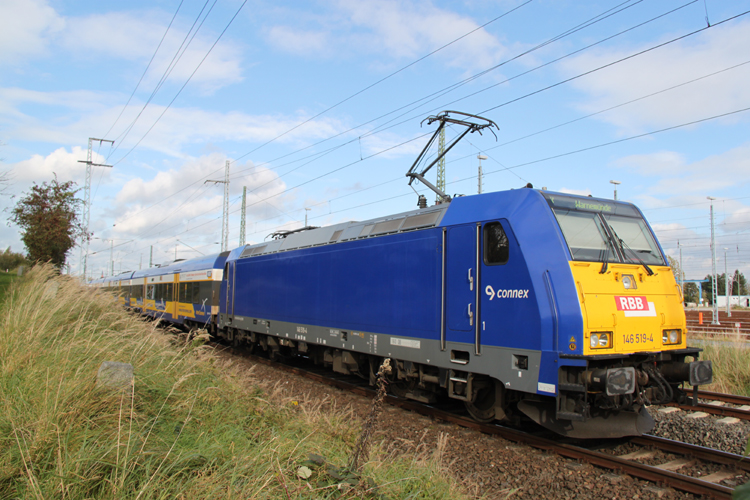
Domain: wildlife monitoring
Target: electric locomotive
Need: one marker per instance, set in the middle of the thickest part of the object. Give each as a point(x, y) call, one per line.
point(558, 307)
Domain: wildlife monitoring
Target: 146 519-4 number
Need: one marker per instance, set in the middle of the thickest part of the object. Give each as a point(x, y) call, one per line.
point(638, 338)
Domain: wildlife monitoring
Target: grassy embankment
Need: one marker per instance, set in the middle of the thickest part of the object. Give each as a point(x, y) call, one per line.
point(5, 280)
point(187, 427)
point(731, 364)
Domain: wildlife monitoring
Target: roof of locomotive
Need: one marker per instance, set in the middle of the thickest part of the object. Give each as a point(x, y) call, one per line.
point(412, 220)
point(521, 203)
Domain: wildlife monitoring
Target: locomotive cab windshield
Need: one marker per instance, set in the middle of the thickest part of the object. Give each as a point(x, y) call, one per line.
point(607, 232)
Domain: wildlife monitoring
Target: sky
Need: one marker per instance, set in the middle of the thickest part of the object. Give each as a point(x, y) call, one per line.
point(319, 109)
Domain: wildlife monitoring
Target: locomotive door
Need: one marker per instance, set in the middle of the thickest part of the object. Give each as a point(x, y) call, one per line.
point(509, 314)
point(461, 283)
point(230, 290)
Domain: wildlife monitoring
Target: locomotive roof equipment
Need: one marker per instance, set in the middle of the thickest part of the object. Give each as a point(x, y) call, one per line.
point(443, 118)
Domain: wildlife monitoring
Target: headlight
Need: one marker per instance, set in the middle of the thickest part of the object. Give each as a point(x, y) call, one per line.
point(628, 282)
point(671, 336)
point(601, 340)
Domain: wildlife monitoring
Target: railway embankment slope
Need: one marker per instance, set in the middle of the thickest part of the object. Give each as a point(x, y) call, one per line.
point(184, 426)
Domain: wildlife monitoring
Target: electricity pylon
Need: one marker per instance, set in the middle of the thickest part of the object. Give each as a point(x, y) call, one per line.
point(86, 216)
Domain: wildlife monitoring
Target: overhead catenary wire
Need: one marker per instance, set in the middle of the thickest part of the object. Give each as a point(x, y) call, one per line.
point(589, 22)
point(156, 51)
point(528, 51)
point(384, 79)
point(518, 165)
point(377, 130)
point(184, 85)
point(167, 71)
point(449, 89)
point(593, 114)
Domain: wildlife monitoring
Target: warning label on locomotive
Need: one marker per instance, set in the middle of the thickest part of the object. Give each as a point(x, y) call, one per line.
point(635, 306)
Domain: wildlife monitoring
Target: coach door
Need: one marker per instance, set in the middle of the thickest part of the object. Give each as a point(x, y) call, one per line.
point(461, 284)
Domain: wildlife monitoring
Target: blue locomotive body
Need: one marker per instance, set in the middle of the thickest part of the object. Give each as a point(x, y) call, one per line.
point(422, 295)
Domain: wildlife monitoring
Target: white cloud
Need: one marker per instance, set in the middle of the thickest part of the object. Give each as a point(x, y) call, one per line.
point(663, 163)
point(195, 202)
point(680, 176)
point(715, 50)
point(396, 29)
point(391, 145)
point(299, 42)
point(65, 164)
point(82, 111)
point(135, 35)
point(26, 27)
point(32, 28)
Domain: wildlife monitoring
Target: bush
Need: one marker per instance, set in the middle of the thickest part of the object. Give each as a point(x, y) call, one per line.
point(9, 261)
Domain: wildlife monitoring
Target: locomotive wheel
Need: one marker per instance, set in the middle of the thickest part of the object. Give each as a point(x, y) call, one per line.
point(483, 407)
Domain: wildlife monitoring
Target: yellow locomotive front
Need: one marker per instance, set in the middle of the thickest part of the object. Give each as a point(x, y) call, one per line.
point(629, 298)
point(634, 327)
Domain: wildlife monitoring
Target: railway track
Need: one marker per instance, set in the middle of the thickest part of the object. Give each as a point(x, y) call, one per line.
point(654, 459)
point(716, 405)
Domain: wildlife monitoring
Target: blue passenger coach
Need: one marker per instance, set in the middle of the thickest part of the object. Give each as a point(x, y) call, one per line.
point(185, 292)
point(487, 299)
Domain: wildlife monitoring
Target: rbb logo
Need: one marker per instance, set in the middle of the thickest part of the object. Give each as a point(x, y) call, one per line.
point(631, 303)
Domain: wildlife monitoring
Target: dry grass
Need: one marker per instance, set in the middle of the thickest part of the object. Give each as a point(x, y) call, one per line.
point(186, 428)
point(731, 364)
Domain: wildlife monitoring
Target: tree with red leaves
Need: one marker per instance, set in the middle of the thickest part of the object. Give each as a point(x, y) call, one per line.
point(48, 220)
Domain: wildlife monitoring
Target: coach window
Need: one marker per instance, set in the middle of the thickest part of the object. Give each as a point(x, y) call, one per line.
point(150, 292)
point(496, 248)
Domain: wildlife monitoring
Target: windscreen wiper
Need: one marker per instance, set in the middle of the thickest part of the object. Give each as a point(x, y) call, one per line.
point(608, 241)
point(624, 246)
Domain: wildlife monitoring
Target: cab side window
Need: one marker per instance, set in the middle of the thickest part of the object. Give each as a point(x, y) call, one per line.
point(496, 248)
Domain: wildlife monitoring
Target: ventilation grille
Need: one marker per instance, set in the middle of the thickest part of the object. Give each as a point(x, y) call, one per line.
point(388, 226)
point(421, 220)
point(336, 235)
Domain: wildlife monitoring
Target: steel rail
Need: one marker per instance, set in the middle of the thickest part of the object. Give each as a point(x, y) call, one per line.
point(727, 398)
point(645, 472)
point(716, 410)
point(724, 411)
point(695, 451)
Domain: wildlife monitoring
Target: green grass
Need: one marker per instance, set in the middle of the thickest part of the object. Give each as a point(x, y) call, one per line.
point(731, 365)
point(188, 427)
point(5, 280)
